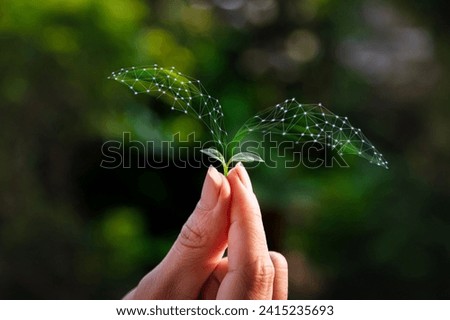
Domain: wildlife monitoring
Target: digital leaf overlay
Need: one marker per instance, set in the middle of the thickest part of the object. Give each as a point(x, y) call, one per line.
point(290, 119)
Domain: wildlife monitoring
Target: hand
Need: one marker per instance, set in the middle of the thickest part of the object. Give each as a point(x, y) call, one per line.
point(227, 216)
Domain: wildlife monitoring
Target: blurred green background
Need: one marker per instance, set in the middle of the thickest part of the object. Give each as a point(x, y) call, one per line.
point(70, 229)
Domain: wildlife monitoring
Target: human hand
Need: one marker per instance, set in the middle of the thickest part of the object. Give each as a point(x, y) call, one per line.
point(226, 217)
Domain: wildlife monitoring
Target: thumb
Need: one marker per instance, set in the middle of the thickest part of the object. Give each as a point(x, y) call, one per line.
point(204, 235)
point(201, 243)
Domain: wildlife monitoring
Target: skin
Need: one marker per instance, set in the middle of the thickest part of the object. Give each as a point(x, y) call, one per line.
point(227, 217)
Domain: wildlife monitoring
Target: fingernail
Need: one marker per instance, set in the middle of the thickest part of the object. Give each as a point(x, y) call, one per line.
point(239, 164)
point(243, 176)
point(211, 188)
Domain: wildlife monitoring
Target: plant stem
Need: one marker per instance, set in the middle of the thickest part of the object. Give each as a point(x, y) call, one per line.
point(225, 169)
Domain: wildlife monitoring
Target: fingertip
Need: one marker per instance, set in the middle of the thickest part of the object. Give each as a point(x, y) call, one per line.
point(233, 179)
point(239, 173)
point(211, 188)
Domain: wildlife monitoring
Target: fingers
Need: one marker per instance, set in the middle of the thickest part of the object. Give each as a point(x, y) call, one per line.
point(195, 265)
point(212, 285)
point(280, 282)
point(247, 239)
point(251, 272)
point(197, 250)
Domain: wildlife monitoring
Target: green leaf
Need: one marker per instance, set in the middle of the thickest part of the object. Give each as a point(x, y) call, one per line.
point(214, 153)
point(181, 92)
point(311, 123)
point(245, 157)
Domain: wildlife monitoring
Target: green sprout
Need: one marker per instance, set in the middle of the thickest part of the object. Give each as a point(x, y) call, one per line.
point(290, 120)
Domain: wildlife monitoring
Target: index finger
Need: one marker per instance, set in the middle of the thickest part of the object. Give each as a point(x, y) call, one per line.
point(248, 255)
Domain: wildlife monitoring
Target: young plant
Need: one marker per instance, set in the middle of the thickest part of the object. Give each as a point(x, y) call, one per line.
point(290, 120)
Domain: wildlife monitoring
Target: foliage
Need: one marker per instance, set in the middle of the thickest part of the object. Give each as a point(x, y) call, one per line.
point(290, 119)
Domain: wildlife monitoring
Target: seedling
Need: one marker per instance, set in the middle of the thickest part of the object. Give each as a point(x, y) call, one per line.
point(290, 120)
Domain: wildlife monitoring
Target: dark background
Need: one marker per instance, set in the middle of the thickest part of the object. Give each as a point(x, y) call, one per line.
point(71, 229)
